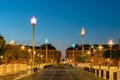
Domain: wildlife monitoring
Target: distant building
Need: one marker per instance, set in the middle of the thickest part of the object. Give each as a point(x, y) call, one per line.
point(97, 57)
point(93, 53)
point(53, 55)
point(76, 52)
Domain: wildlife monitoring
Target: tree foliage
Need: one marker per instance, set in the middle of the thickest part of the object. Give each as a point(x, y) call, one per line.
point(114, 54)
point(2, 45)
point(81, 59)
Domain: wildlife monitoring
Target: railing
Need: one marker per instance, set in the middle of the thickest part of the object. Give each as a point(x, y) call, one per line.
point(111, 73)
point(12, 68)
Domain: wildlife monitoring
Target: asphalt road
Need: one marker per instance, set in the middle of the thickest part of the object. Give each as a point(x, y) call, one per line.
point(61, 73)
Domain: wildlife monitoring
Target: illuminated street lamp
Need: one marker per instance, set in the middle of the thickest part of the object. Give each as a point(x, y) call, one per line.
point(33, 23)
point(12, 42)
point(46, 41)
point(73, 46)
point(110, 43)
point(41, 56)
point(39, 60)
point(100, 48)
point(22, 48)
point(29, 50)
point(82, 34)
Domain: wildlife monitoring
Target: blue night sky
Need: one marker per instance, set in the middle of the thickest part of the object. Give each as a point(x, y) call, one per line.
point(60, 21)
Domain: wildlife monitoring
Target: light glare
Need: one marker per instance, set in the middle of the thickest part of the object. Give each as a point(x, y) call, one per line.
point(33, 20)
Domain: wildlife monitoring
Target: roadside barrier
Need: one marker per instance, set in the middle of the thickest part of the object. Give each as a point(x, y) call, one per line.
point(108, 74)
point(12, 68)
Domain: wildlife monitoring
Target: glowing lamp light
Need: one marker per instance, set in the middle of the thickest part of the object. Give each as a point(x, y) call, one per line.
point(33, 21)
point(73, 45)
point(46, 40)
point(12, 42)
point(83, 31)
point(22, 47)
point(110, 43)
point(100, 47)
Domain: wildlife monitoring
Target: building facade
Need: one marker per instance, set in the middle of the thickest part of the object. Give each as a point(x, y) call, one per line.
point(93, 54)
point(74, 54)
point(47, 54)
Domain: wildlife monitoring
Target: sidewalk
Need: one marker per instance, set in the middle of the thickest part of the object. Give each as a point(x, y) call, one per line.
point(16, 76)
point(22, 74)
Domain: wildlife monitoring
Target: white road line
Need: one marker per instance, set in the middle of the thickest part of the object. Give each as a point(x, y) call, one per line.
point(69, 74)
point(53, 75)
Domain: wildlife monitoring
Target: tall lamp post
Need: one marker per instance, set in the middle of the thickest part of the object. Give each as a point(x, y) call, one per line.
point(46, 41)
point(29, 50)
point(39, 60)
point(73, 46)
point(22, 48)
point(82, 34)
point(100, 48)
point(33, 23)
point(110, 43)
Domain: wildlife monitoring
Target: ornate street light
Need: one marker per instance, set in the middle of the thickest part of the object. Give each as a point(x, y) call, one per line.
point(82, 34)
point(46, 41)
point(12, 42)
point(100, 49)
point(22, 47)
point(73, 46)
point(110, 43)
point(33, 23)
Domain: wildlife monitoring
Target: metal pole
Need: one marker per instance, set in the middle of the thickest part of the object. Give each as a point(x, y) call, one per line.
point(82, 44)
point(39, 62)
point(73, 56)
point(110, 56)
point(46, 53)
point(33, 47)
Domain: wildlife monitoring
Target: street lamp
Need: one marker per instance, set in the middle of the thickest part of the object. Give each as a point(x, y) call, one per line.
point(46, 41)
point(39, 60)
point(29, 50)
point(33, 23)
point(82, 34)
point(12, 42)
point(41, 56)
point(110, 43)
point(22, 48)
point(73, 46)
point(100, 48)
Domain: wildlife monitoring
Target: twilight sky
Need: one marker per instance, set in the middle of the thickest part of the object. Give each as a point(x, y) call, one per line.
point(60, 21)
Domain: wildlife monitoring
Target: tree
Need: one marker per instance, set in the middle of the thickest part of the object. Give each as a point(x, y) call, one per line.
point(2, 45)
point(106, 54)
point(81, 59)
point(115, 55)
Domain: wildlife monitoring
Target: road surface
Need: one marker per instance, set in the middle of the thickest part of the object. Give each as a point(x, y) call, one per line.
point(61, 73)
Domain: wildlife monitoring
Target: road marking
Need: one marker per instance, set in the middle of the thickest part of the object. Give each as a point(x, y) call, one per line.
point(69, 75)
point(53, 75)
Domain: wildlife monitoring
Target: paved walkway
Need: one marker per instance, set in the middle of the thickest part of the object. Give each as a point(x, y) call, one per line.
point(16, 76)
